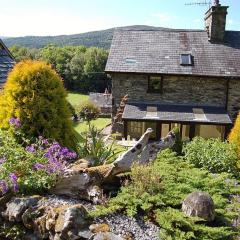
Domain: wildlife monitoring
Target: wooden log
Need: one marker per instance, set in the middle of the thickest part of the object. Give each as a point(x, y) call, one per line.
point(84, 183)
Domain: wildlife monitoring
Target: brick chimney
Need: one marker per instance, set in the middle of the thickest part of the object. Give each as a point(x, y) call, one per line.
point(215, 22)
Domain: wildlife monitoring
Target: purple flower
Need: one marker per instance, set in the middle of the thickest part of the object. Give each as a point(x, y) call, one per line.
point(62, 153)
point(3, 187)
point(12, 121)
point(39, 166)
point(30, 149)
point(15, 122)
point(45, 142)
point(13, 178)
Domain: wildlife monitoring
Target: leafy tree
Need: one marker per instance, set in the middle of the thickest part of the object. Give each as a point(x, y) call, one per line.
point(81, 68)
point(23, 53)
point(96, 59)
point(34, 93)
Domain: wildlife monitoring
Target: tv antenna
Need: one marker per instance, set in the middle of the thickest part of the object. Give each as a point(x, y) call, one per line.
point(203, 3)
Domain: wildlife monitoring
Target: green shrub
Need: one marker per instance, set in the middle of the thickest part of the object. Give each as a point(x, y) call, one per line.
point(34, 93)
point(213, 155)
point(88, 111)
point(158, 190)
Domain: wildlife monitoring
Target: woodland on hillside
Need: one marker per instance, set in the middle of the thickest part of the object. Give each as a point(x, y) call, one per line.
point(81, 68)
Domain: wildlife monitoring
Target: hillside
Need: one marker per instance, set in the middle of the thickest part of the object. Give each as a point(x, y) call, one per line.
point(97, 38)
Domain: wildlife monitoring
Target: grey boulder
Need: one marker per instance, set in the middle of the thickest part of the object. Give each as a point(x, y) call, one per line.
point(199, 204)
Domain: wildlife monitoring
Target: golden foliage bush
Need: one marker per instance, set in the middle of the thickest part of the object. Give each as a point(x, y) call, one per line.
point(35, 94)
point(234, 136)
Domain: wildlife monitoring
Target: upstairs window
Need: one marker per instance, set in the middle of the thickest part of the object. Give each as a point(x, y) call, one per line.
point(186, 59)
point(155, 84)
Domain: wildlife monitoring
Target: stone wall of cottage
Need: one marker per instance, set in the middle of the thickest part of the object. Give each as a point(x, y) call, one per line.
point(186, 90)
point(234, 98)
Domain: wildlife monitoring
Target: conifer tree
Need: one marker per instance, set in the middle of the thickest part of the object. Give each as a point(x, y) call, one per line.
point(34, 94)
point(234, 136)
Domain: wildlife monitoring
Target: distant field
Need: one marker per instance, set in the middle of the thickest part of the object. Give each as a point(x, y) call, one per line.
point(76, 98)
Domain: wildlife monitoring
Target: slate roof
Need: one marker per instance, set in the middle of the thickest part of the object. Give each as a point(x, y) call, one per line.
point(6, 63)
point(176, 113)
point(158, 51)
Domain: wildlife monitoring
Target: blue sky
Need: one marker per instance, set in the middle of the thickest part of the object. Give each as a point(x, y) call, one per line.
point(56, 17)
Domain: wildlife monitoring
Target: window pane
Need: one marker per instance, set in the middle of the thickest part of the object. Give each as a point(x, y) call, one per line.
point(154, 84)
point(186, 59)
point(210, 131)
point(135, 129)
point(165, 130)
point(185, 132)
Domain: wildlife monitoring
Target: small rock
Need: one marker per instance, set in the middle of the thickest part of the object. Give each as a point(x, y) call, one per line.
point(96, 228)
point(107, 236)
point(95, 194)
point(85, 234)
point(70, 220)
point(18, 206)
point(199, 204)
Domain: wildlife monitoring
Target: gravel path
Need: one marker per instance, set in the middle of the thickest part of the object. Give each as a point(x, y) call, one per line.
point(128, 226)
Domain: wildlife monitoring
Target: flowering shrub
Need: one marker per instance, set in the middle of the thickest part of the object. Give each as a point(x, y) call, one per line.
point(31, 168)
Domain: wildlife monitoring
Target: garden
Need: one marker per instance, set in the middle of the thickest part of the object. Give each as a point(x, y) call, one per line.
point(60, 178)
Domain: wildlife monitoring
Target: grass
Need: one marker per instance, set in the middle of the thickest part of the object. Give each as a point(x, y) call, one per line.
point(99, 123)
point(76, 98)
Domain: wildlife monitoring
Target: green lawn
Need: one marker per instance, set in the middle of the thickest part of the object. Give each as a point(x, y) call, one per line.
point(99, 123)
point(76, 98)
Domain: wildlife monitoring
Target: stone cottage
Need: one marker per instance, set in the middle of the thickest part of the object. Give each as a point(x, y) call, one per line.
point(184, 78)
point(6, 63)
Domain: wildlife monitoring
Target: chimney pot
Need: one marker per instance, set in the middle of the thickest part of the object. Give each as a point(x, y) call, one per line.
point(216, 2)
